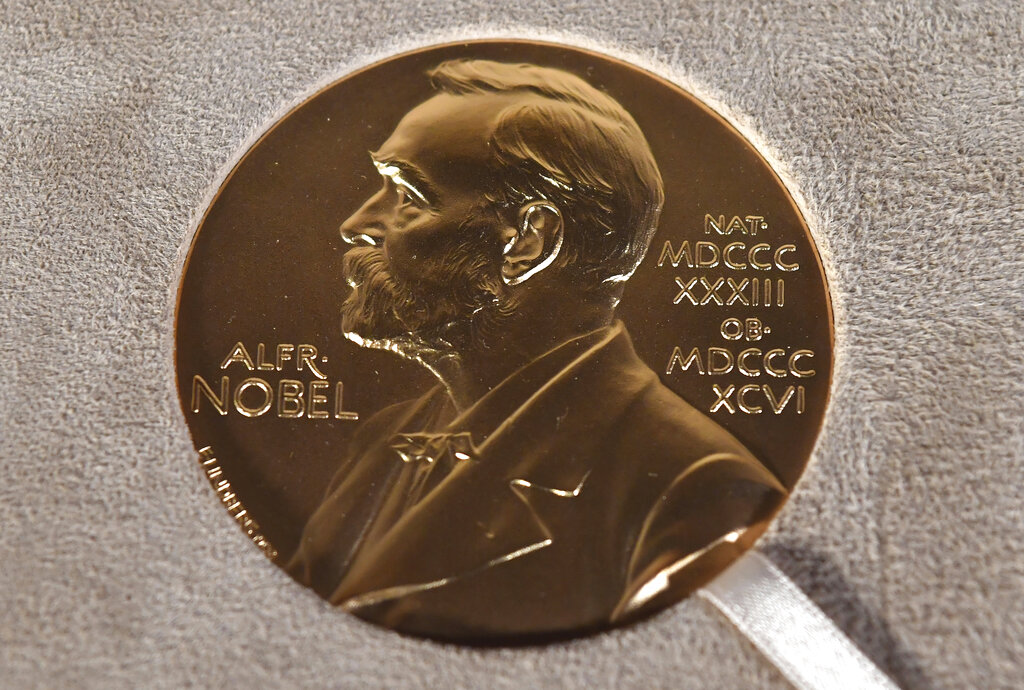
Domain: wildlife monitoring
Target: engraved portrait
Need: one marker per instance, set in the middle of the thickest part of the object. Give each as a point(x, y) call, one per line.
point(549, 481)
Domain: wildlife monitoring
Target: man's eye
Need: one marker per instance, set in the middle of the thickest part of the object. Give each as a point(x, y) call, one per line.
point(405, 199)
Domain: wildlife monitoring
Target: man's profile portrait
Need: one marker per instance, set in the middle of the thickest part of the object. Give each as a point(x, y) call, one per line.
point(549, 482)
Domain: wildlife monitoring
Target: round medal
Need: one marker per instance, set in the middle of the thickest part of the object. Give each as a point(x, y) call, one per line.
point(503, 340)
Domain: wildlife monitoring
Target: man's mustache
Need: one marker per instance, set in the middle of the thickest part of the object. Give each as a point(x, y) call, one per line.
point(361, 265)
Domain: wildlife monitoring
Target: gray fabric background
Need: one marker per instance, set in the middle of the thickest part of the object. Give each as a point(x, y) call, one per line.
point(900, 127)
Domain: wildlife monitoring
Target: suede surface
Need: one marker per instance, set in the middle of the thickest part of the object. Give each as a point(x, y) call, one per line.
point(898, 127)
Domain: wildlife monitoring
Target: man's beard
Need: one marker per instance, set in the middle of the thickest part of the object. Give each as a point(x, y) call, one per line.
point(460, 307)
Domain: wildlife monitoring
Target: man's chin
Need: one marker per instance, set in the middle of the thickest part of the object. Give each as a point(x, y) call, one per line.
point(356, 328)
point(367, 332)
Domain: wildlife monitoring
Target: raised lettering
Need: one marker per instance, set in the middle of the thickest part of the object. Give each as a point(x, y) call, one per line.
point(741, 362)
point(777, 405)
point(737, 292)
point(727, 256)
point(712, 291)
point(711, 223)
point(685, 291)
point(708, 255)
point(684, 365)
point(741, 399)
point(752, 256)
point(316, 399)
point(339, 411)
point(723, 399)
point(268, 397)
point(736, 225)
point(770, 368)
point(220, 403)
point(801, 373)
point(284, 354)
point(238, 354)
point(732, 329)
point(674, 257)
point(261, 363)
point(727, 360)
point(291, 403)
point(778, 258)
point(307, 356)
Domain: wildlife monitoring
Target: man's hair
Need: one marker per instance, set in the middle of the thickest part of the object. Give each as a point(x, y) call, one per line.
point(576, 147)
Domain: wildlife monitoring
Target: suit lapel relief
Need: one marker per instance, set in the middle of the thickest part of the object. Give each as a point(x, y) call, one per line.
point(515, 497)
point(354, 502)
point(468, 522)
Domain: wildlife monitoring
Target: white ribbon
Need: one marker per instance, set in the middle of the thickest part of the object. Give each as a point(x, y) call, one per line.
point(786, 626)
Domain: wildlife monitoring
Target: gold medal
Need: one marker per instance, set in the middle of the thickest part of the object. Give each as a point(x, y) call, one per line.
point(503, 340)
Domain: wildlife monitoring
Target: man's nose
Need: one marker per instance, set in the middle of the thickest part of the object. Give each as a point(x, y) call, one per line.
point(366, 226)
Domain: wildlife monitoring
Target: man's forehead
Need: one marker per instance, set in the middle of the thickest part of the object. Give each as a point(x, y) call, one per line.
point(447, 127)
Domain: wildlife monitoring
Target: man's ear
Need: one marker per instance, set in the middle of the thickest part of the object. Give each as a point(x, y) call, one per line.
point(534, 244)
